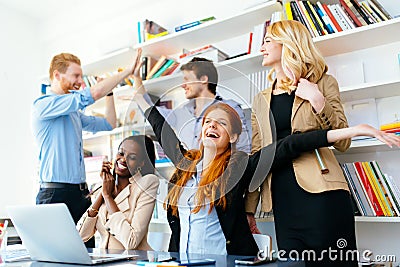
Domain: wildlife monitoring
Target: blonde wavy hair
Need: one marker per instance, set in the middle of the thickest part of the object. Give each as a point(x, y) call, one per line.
point(300, 57)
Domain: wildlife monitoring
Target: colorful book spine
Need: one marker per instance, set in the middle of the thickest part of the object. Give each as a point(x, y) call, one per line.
point(163, 68)
point(171, 69)
point(380, 8)
point(313, 18)
point(370, 11)
point(192, 24)
point(187, 26)
point(288, 11)
point(354, 191)
point(298, 16)
point(304, 11)
point(394, 130)
point(318, 20)
point(377, 188)
point(368, 188)
point(338, 17)
point(190, 53)
point(390, 126)
point(156, 66)
point(388, 192)
point(306, 21)
point(367, 204)
point(348, 20)
point(332, 18)
point(324, 17)
point(352, 13)
point(361, 11)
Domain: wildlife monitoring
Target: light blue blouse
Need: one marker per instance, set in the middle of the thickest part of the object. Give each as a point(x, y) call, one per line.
point(200, 232)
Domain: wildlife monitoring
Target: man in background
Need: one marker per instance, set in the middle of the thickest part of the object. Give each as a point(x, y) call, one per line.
point(57, 123)
point(200, 79)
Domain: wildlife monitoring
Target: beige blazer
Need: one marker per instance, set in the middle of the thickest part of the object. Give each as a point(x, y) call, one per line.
point(304, 118)
point(127, 228)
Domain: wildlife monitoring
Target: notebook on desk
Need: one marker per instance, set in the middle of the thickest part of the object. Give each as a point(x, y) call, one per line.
point(49, 234)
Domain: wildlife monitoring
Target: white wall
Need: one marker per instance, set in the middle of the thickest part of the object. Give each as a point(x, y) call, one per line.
point(100, 27)
point(20, 59)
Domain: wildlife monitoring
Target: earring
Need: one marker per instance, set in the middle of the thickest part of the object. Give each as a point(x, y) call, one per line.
point(138, 169)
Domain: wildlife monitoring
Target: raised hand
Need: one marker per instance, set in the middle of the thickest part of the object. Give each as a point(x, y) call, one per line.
point(137, 63)
point(309, 91)
point(389, 139)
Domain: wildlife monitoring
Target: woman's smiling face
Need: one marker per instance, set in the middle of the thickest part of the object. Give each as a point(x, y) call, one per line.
point(129, 158)
point(217, 130)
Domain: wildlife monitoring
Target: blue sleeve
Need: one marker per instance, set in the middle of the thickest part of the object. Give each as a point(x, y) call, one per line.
point(94, 124)
point(53, 106)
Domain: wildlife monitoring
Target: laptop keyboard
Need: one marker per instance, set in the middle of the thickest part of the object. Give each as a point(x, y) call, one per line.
point(99, 257)
point(16, 255)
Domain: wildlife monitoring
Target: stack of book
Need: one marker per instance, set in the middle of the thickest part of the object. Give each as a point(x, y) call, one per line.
point(153, 68)
point(91, 80)
point(148, 30)
point(193, 24)
point(375, 193)
point(209, 52)
point(393, 127)
point(322, 19)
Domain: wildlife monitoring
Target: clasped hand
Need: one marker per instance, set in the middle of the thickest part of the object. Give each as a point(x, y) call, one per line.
point(108, 188)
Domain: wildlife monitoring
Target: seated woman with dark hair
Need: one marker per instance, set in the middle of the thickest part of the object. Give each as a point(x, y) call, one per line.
point(122, 210)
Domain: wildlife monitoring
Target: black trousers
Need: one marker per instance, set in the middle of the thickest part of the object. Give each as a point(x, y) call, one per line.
point(75, 199)
point(308, 224)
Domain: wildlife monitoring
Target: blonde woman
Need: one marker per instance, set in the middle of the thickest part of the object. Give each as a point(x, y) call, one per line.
point(311, 204)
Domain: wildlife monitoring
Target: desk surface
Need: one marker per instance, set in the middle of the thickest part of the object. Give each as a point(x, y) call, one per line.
point(221, 261)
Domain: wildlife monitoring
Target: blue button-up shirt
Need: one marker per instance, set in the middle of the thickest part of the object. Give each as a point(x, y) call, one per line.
point(200, 232)
point(57, 123)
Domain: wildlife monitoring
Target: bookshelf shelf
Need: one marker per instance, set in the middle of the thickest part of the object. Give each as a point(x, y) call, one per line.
point(366, 146)
point(333, 44)
point(370, 90)
point(377, 219)
point(358, 219)
point(359, 38)
point(226, 69)
point(122, 129)
point(211, 32)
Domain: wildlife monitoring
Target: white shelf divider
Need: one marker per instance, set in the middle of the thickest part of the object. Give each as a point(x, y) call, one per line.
point(212, 31)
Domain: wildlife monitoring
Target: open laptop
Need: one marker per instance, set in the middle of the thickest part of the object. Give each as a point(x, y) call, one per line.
point(49, 234)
